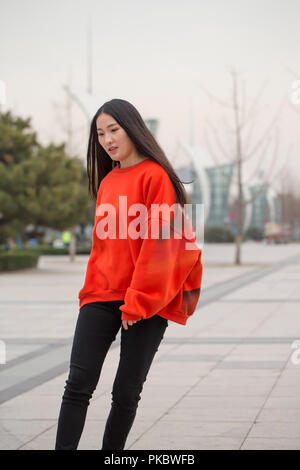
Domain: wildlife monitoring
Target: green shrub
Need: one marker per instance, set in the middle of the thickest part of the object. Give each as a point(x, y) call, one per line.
point(18, 259)
point(254, 233)
point(81, 249)
point(218, 235)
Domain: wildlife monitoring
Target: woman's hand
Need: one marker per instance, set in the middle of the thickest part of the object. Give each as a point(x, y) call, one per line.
point(128, 322)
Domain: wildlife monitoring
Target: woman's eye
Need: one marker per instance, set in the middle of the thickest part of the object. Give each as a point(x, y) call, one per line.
point(113, 130)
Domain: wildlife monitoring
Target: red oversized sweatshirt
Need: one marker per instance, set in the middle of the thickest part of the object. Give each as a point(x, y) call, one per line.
point(152, 274)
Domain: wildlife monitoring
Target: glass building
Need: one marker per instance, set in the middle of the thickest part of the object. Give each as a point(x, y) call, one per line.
point(265, 207)
point(218, 181)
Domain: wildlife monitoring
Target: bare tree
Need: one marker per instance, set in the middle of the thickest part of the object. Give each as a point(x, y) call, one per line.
point(290, 200)
point(66, 124)
point(242, 148)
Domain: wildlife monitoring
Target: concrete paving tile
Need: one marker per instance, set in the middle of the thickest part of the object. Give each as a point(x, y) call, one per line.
point(150, 389)
point(212, 414)
point(290, 377)
point(251, 364)
point(230, 272)
point(44, 441)
point(186, 443)
point(281, 415)
point(271, 444)
point(146, 413)
point(201, 382)
point(163, 349)
point(14, 351)
point(9, 441)
point(220, 402)
point(91, 438)
point(15, 432)
point(147, 410)
point(175, 368)
point(173, 429)
point(25, 447)
point(261, 349)
point(285, 391)
point(258, 356)
point(283, 402)
point(27, 407)
point(51, 387)
point(200, 361)
point(160, 399)
point(210, 349)
point(275, 430)
point(243, 374)
point(236, 390)
point(232, 382)
point(100, 407)
point(172, 379)
point(93, 433)
point(14, 326)
point(291, 365)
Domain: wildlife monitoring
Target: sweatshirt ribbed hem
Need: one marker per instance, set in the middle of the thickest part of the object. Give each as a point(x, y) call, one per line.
point(174, 316)
point(177, 317)
point(116, 294)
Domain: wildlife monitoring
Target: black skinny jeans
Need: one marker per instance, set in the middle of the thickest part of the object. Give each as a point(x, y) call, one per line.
point(97, 326)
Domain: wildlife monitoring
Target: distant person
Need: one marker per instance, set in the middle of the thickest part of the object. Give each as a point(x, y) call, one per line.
point(32, 242)
point(66, 237)
point(139, 283)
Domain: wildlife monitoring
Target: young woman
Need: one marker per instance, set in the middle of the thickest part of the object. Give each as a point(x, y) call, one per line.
point(134, 281)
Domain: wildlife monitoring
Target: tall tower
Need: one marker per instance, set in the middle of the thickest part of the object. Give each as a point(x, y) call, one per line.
point(89, 87)
point(87, 100)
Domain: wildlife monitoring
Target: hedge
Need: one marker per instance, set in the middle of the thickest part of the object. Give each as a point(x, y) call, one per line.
point(218, 235)
point(27, 257)
point(49, 250)
point(11, 261)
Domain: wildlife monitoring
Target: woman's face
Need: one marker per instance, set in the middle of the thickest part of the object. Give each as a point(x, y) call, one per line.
point(111, 134)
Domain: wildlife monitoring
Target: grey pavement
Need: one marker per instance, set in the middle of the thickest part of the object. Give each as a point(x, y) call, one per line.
point(229, 379)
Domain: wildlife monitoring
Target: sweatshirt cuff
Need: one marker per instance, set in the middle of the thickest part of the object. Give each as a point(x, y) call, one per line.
point(129, 316)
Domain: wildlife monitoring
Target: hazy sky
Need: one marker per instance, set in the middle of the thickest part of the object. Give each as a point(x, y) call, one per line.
point(156, 54)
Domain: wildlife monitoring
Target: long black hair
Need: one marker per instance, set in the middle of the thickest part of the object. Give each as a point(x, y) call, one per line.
point(127, 116)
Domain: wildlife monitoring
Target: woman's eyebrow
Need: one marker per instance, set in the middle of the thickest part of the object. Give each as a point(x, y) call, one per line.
point(109, 125)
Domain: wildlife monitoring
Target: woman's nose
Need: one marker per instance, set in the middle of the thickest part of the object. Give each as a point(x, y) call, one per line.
point(108, 141)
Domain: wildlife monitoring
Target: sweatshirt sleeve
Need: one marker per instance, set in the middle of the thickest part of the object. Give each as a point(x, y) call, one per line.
point(164, 261)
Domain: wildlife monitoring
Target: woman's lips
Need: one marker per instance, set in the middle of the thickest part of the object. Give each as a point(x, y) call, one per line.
point(113, 150)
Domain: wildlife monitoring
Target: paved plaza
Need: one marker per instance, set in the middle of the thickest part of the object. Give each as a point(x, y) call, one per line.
point(229, 379)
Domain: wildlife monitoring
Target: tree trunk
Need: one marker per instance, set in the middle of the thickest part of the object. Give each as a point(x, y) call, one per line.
point(72, 247)
point(239, 236)
point(238, 241)
point(11, 243)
